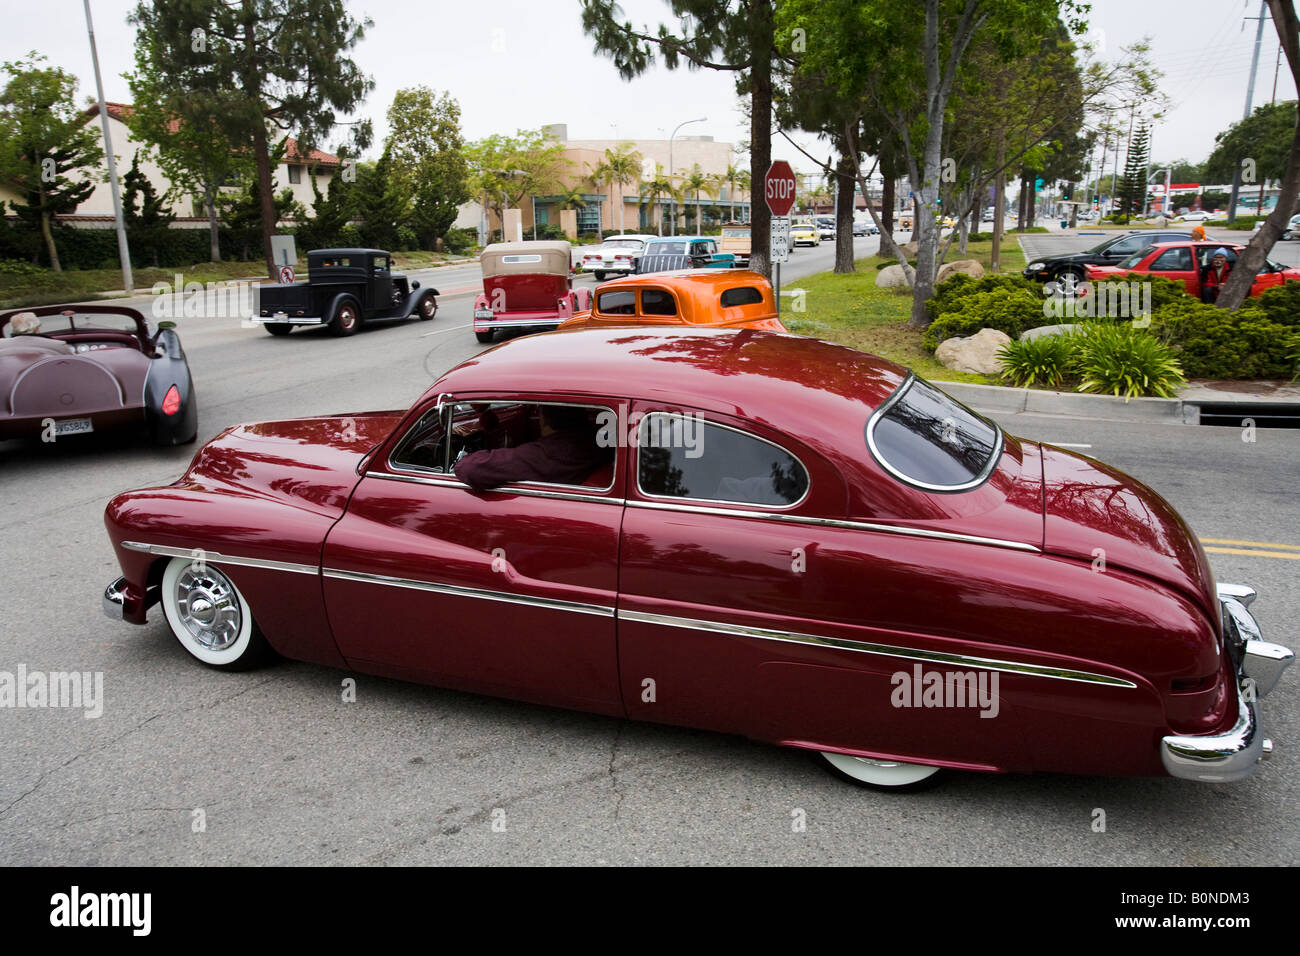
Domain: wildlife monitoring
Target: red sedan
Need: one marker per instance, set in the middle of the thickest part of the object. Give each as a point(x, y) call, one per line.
point(786, 539)
point(1187, 262)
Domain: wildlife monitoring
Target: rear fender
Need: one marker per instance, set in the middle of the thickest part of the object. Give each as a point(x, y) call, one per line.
point(170, 368)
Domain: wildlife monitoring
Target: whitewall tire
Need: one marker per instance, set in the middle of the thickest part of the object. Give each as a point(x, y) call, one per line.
point(209, 616)
point(880, 774)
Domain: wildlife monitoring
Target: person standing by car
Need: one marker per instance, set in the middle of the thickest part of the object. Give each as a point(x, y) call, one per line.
point(1215, 275)
point(1198, 232)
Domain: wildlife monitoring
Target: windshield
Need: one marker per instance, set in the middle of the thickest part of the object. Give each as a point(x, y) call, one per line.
point(928, 440)
point(1132, 261)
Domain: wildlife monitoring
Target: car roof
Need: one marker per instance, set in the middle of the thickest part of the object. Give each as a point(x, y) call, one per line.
point(700, 286)
point(820, 392)
point(633, 235)
point(347, 252)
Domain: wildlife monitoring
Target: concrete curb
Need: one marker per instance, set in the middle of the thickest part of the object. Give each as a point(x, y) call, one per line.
point(999, 398)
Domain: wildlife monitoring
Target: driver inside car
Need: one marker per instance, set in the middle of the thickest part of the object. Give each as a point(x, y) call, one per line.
point(566, 453)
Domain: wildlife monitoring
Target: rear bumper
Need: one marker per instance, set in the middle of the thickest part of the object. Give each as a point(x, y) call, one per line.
point(1233, 755)
point(283, 319)
point(485, 323)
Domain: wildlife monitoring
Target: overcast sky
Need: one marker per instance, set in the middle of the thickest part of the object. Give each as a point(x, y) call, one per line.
point(518, 65)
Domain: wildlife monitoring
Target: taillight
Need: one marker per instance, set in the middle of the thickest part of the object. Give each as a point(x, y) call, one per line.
point(172, 401)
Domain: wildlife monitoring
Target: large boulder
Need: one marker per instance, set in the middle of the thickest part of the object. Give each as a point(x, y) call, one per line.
point(909, 249)
point(973, 353)
point(892, 277)
point(965, 267)
point(1042, 330)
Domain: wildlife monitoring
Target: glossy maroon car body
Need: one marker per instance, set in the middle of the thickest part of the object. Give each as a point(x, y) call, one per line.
point(785, 624)
point(98, 368)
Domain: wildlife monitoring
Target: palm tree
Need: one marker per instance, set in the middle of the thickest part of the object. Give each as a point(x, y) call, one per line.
point(660, 186)
point(697, 181)
point(622, 167)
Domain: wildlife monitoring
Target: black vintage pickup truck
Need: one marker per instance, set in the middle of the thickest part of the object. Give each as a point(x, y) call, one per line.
point(344, 288)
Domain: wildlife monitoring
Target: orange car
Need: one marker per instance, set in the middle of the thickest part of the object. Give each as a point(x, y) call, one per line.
point(725, 298)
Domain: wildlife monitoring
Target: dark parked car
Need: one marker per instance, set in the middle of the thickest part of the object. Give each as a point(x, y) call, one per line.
point(80, 374)
point(1108, 253)
point(344, 288)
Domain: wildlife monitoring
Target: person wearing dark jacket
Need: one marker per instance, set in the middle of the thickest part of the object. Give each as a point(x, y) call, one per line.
point(1215, 275)
point(565, 454)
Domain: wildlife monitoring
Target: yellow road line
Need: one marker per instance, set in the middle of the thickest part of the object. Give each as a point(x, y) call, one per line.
point(1255, 554)
point(1251, 544)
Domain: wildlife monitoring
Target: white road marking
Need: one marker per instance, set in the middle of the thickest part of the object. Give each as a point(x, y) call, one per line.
point(450, 328)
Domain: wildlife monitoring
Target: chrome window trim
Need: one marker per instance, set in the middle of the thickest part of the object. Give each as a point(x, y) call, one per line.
point(672, 505)
point(451, 481)
point(881, 650)
point(216, 557)
point(400, 471)
point(577, 607)
point(983, 476)
point(739, 431)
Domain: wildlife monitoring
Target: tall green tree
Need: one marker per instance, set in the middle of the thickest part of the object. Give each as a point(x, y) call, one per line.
point(620, 167)
point(146, 213)
point(382, 202)
point(1132, 190)
point(49, 153)
point(428, 159)
point(1252, 259)
point(905, 59)
point(178, 124)
point(273, 65)
point(505, 169)
point(735, 36)
point(659, 187)
point(694, 182)
point(1263, 138)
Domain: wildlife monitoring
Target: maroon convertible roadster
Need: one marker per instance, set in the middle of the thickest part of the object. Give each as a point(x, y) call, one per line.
point(69, 371)
point(789, 540)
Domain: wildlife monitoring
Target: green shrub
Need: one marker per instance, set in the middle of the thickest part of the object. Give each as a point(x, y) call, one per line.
point(1008, 310)
point(1045, 361)
point(460, 241)
point(1280, 305)
point(406, 239)
point(1118, 359)
point(1244, 223)
point(1032, 229)
point(952, 290)
point(1166, 292)
point(1214, 343)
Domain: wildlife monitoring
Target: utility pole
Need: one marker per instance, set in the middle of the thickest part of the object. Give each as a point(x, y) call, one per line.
point(1250, 98)
point(123, 252)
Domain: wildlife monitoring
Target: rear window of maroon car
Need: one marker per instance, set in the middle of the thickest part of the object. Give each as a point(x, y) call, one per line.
point(930, 441)
point(685, 457)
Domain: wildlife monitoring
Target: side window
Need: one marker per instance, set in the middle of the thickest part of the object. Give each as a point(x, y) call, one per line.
point(681, 456)
point(425, 446)
point(743, 295)
point(657, 302)
point(1178, 259)
point(1127, 246)
point(622, 302)
point(381, 265)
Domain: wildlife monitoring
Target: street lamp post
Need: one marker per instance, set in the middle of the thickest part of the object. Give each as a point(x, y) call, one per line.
point(123, 253)
point(672, 230)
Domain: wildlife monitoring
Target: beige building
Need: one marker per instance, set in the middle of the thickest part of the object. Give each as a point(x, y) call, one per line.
point(293, 173)
point(601, 203)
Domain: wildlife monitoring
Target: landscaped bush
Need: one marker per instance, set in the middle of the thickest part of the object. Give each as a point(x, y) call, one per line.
point(1008, 310)
point(1032, 229)
point(460, 241)
point(1280, 305)
point(1118, 359)
point(1045, 361)
point(1214, 343)
point(948, 293)
point(406, 239)
point(1244, 223)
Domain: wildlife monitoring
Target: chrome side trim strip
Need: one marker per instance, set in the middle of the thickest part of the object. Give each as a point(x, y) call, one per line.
point(576, 607)
point(883, 650)
point(838, 523)
point(451, 482)
point(215, 557)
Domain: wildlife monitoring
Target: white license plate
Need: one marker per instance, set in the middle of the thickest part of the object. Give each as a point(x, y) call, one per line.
point(73, 426)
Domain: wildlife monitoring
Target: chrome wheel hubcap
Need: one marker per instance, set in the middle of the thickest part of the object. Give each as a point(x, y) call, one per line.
point(208, 607)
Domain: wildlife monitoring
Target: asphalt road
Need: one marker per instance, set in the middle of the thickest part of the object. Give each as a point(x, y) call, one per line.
point(285, 772)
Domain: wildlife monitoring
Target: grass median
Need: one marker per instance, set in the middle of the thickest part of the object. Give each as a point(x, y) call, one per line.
point(852, 310)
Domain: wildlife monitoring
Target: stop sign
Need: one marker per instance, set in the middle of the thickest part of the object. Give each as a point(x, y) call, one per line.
point(778, 188)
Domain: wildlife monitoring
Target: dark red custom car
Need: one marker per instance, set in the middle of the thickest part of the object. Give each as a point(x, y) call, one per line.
point(790, 540)
point(73, 373)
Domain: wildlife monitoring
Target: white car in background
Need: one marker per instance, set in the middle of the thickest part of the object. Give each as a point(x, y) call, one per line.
point(617, 255)
point(1195, 215)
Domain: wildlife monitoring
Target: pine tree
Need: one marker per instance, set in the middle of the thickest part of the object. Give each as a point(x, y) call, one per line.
point(1132, 192)
point(382, 204)
point(148, 224)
